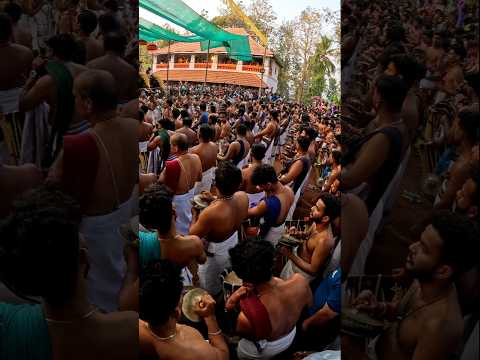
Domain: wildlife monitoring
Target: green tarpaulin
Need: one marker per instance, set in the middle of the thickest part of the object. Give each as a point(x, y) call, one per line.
point(177, 12)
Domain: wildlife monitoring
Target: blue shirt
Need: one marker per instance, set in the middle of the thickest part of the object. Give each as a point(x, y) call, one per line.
point(328, 292)
point(204, 118)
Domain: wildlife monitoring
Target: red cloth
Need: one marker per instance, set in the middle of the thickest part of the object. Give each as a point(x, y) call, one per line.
point(80, 166)
point(172, 174)
point(257, 315)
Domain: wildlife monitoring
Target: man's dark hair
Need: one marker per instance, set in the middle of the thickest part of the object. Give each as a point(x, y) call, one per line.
point(311, 133)
point(111, 5)
point(213, 119)
point(206, 132)
point(63, 46)
point(459, 49)
point(184, 113)
point(203, 107)
point(115, 42)
point(274, 114)
point(5, 27)
point(252, 260)
point(241, 130)
point(175, 113)
point(264, 174)
point(99, 87)
point(393, 91)
point(227, 178)
point(213, 109)
point(39, 245)
point(258, 151)
point(303, 142)
point(187, 121)
point(88, 21)
point(14, 11)
point(460, 240)
point(468, 121)
point(108, 23)
point(160, 290)
point(305, 118)
point(332, 205)
point(337, 156)
point(156, 208)
point(180, 141)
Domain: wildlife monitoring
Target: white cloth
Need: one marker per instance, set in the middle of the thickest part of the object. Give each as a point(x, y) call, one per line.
point(187, 277)
point(183, 208)
point(247, 350)
point(242, 162)
point(154, 161)
point(9, 100)
point(371, 352)
point(325, 355)
point(206, 183)
point(35, 135)
point(142, 146)
point(290, 268)
point(209, 273)
point(274, 234)
point(105, 249)
point(254, 199)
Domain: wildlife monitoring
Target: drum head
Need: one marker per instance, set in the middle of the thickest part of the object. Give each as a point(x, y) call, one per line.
point(190, 300)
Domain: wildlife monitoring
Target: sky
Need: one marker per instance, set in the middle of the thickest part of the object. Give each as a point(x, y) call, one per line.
point(285, 9)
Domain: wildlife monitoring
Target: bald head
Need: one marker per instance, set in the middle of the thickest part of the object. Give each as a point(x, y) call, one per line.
point(99, 87)
point(180, 141)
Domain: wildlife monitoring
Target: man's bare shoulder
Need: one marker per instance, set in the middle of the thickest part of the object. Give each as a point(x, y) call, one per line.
point(125, 317)
point(22, 50)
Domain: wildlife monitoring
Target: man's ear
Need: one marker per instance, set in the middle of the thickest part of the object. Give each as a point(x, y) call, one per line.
point(473, 212)
point(443, 272)
point(325, 219)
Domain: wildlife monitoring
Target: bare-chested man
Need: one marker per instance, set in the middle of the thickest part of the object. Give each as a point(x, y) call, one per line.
point(20, 35)
point(71, 326)
point(275, 206)
point(52, 83)
point(225, 127)
point(12, 78)
point(254, 196)
point(377, 157)
point(463, 134)
point(238, 150)
point(219, 223)
point(125, 75)
point(87, 23)
point(160, 335)
point(453, 77)
point(427, 322)
point(99, 169)
point(309, 258)
point(14, 180)
point(270, 307)
point(180, 175)
point(207, 151)
point(334, 161)
point(272, 128)
point(187, 130)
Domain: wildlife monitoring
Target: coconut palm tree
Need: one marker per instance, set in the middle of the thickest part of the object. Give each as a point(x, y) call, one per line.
point(321, 65)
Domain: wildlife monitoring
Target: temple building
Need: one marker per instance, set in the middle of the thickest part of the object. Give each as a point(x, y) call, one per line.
point(187, 62)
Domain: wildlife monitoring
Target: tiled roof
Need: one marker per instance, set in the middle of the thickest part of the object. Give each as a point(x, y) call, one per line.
point(216, 77)
point(181, 47)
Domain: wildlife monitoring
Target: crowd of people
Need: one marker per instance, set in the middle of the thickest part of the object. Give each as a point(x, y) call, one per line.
point(409, 102)
point(68, 177)
point(249, 157)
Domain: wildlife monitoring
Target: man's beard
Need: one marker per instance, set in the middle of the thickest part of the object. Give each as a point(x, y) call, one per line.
point(421, 275)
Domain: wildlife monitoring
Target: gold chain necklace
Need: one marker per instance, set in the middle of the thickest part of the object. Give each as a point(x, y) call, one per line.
point(170, 337)
point(83, 317)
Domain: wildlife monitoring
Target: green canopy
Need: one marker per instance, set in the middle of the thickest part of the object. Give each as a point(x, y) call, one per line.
point(177, 12)
point(150, 29)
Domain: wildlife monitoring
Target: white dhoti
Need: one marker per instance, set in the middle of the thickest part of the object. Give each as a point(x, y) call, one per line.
point(247, 350)
point(254, 199)
point(183, 207)
point(290, 268)
point(187, 277)
point(105, 248)
point(36, 132)
point(206, 183)
point(274, 234)
point(9, 100)
point(209, 273)
point(371, 352)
